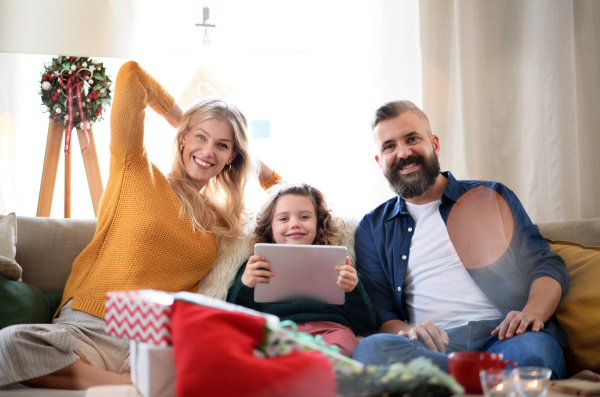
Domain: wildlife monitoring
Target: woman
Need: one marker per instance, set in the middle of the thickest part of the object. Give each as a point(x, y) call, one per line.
point(153, 232)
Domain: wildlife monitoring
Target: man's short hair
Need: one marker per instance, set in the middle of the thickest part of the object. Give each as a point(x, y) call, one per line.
point(394, 109)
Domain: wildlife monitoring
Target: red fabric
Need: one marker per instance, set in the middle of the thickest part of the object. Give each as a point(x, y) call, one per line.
point(214, 356)
point(73, 81)
point(333, 334)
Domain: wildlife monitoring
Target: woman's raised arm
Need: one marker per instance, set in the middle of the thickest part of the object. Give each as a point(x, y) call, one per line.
point(265, 173)
point(134, 90)
point(174, 115)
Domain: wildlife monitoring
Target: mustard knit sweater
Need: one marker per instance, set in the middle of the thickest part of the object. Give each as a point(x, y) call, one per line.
point(141, 241)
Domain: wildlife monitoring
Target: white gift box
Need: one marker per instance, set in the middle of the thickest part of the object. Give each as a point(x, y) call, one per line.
point(152, 369)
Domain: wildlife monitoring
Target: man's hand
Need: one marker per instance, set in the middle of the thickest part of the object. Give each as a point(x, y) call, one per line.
point(516, 323)
point(348, 279)
point(255, 272)
point(544, 296)
point(586, 374)
point(434, 338)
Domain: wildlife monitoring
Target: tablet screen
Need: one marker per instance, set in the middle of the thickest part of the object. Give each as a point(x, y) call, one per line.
point(303, 272)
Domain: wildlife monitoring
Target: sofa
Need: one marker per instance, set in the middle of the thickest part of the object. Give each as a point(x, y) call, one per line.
point(47, 247)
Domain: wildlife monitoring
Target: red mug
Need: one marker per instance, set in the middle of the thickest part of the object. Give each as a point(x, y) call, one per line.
point(465, 367)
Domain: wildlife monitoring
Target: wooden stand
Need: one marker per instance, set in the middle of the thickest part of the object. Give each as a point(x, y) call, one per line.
point(90, 162)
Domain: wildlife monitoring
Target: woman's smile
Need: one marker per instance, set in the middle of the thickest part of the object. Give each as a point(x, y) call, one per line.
point(202, 163)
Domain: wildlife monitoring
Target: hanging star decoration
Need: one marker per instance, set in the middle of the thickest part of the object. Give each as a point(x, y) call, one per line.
point(76, 91)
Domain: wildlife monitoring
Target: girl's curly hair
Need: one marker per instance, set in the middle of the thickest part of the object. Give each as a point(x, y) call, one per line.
point(329, 227)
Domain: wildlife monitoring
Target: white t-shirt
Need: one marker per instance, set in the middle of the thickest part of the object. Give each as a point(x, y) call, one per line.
point(437, 287)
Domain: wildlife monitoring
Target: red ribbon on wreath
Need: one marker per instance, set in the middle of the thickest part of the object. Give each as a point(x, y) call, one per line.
point(73, 81)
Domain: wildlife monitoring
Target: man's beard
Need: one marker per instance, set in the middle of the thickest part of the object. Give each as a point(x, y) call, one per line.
point(416, 183)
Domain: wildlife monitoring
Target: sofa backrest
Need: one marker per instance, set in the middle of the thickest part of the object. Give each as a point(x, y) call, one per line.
point(586, 231)
point(47, 248)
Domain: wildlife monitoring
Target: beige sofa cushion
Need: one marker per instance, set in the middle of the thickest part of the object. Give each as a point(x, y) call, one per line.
point(47, 248)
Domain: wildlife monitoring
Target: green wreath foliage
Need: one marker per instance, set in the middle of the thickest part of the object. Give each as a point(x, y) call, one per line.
point(95, 95)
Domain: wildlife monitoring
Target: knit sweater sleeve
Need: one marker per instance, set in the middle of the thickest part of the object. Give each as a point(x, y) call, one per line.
point(240, 294)
point(134, 90)
point(363, 316)
point(274, 180)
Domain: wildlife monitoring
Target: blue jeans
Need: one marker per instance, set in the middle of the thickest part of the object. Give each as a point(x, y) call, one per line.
point(529, 348)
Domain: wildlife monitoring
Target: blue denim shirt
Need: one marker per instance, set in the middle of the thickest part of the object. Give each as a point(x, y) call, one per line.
point(382, 248)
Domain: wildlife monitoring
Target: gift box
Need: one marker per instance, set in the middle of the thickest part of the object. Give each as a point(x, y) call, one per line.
point(142, 315)
point(279, 340)
point(152, 369)
point(204, 300)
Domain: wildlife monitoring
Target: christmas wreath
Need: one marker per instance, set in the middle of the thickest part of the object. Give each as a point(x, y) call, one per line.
point(75, 79)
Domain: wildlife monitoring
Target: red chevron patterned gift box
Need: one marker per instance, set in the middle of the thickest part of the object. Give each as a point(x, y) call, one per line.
point(142, 315)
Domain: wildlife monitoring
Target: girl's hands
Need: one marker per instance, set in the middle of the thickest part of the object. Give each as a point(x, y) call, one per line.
point(255, 272)
point(259, 271)
point(348, 279)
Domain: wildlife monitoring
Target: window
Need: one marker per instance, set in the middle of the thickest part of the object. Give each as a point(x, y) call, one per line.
point(308, 77)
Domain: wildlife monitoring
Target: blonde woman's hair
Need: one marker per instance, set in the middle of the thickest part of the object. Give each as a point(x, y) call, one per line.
point(219, 209)
point(329, 228)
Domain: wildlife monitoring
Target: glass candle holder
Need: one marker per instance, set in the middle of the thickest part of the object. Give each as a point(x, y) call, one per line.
point(531, 381)
point(496, 383)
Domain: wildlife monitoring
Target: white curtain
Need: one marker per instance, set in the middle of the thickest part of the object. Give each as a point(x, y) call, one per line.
point(512, 88)
point(7, 141)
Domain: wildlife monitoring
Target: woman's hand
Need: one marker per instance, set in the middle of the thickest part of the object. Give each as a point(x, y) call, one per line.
point(348, 279)
point(257, 271)
point(265, 173)
point(174, 115)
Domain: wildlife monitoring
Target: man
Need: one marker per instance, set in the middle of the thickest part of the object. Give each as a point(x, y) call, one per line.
point(453, 265)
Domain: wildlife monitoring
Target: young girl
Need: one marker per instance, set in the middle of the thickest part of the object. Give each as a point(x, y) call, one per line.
point(298, 214)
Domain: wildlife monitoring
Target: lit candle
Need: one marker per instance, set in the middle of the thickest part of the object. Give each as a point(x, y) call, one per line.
point(533, 388)
point(502, 389)
point(533, 385)
point(531, 381)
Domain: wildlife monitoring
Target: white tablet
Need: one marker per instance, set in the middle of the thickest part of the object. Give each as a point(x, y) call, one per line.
point(303, 272)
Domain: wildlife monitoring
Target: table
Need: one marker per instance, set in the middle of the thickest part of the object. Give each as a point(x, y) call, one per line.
point(131, 391)
point(113, 391)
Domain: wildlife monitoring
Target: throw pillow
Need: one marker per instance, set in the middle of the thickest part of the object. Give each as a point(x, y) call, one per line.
point(8, 236)
point(21, 303)
point(578, 311)
point(8, 248)
point(10, 269)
